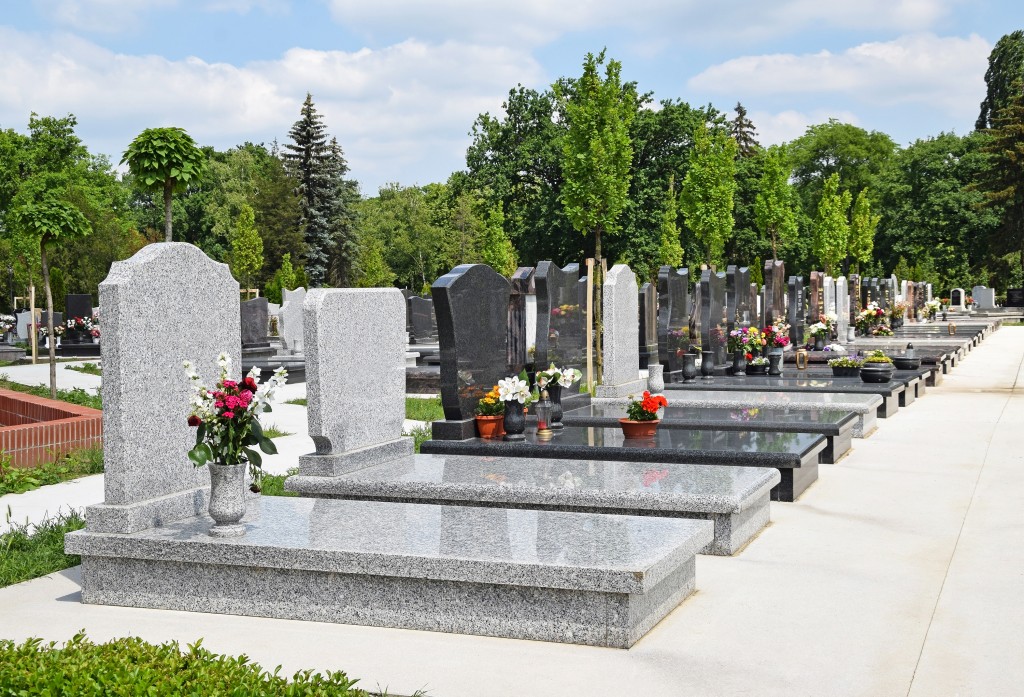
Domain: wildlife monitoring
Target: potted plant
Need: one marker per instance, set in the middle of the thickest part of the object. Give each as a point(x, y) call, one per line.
point(514, 394)
point(554, 380)
point(845, 367)
point(642, 416)
point(881, 330)
point(757, 365)
point(490, 415)
point(877, 367)
point(228, 433)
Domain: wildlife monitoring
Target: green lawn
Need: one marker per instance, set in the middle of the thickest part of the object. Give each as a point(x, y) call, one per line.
point(15, 480)
point(76, 396)
point(88, 368)
point(416, 409)
point(27, 553)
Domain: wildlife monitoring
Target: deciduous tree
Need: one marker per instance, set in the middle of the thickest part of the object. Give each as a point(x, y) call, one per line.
point(167, 160)
point(706, 196)
point(831, 228)
point(774, 205)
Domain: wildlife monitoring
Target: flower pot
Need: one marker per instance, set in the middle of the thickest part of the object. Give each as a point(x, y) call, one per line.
point(876, 372)
point(739, 363)
point(689, 367)
point(227, 499)
point(655, 378)
point(490, 426)
point(555, 395)
point(639, 429)
point(515, 420)
point(904, 363)
point(775, 361)
point(845, 371)
point(757, 369)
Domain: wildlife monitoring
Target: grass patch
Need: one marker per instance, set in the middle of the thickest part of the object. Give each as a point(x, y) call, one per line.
point(130, 666)
point(273, 431)
point(87, 368)
point(423, 409)
point(419, 435)
point(28, 552)
point(80, 463)
point(76, 396)
point(273, 484)
point(301, 401)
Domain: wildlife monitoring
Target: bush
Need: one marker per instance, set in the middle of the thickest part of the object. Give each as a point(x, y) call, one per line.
point(131, 666)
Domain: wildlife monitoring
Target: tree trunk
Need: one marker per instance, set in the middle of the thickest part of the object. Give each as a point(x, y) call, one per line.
point(51, 339)
point(168, 185)
point(598, 308)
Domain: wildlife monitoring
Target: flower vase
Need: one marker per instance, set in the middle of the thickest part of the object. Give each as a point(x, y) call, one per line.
point(656, 378)
point(739, 363)
point(689, 367)
point(707, 365)
point(555, 395)
point(227, 499)
point(819, 343)
point(775, 361)
point(639, 429)
point(490, 426)
point(515, 420)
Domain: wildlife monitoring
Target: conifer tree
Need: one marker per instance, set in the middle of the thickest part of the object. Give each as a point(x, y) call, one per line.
point(742, 130)
point(1002, 183)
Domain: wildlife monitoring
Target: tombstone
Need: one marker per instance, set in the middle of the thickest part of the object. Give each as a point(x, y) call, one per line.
point(888, 292)
point(957, 299)
point(1014, 298)
point(842, 294)
point(927, 292)
point(620, 307)
point(292, 327)
point(561, 317)
point(471, 302)
point(674, 310)
point(424, 320)
point(854, 299)
point(911, 300)
point(148, 479)
point(984, 298)
point(919, 297)
point(648, 323)
point(774, 292)
point(24, 318)
point(903, 291)
point(894, 287)
point(517, 342)
point(78, 306)
point(830, 296)
point(737, 297)
point(754, 303)
point(355, 413)
point(713, 322)
point(255, 319)
point(817, 296)
point(796, 310)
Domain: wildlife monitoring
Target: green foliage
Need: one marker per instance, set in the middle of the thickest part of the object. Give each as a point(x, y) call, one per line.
point(1002, 183)
point(418, 409)
point(670, 251)
point(73, 396)
point(164, 160)
point(1005, 66)
point(419, 436)
point(130, 666)
point(863, 224)
point(757, 272)
point(773, 206)
point(272, 431)
point(495, 247)
point(831, 229)
point(372, 271)
point(706, 196)
point(300, 401)
point(273, 484)
point(87, 368)
point(246, 248)
point(80, 463)
point(28, 552)
point(284, 279)
point(741, 128)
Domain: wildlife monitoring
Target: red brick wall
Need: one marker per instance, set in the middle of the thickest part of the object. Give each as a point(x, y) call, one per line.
point(43, 429)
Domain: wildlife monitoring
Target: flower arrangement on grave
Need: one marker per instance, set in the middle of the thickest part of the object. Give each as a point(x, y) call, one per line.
point(678, 341)
point(970, 300)
point(490, 404)
point(646, 408)
point(563, 377)
point(844, 362)
point(717, 337)
point(869, 317)
point(776, 335)
point(877, 356)
point(881, 330)
point(818, 329)
point(830, 320)
point(565, 310)
point(226, 417)
point(7, 323)
point(932, 307)
point(79, 324)
point(835, 348)
point(745, 414)
point(58, 329)
point(514, 389)
point(758, 360)
point(897, 310)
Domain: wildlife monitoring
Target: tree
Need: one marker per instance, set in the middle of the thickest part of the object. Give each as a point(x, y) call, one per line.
point(742, 130)
point(495, 247)
point(706, 196)
point(246, 248)
point(831, 229)
point(1005, 67)
point(283, 279)
point(596, 157)
point(773, 207)
point(164, 159)
point(670, 251)
point(863, 224)
point(49, 220)
point(1002, 184)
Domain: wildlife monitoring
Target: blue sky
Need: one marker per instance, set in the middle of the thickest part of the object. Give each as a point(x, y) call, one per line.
point(399, 82)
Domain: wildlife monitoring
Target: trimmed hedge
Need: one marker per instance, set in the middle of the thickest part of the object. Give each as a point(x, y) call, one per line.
point(130, 666)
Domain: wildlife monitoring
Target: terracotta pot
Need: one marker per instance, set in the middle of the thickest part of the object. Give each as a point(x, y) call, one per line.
point(639, 429)
point(490, 426)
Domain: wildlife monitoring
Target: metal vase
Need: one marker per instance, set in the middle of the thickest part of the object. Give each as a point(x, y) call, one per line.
point(689, 367)
point(739, 363)
point(656, 377)
point(707, 365)
point(555, 395)
point(227, 499)
point(515, 420)
point(775, 361)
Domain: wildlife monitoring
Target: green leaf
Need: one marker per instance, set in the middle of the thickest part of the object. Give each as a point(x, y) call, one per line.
point(257, 430)
point(267, 446)
point(206, 449)
point(197, 456)
point(254, 456)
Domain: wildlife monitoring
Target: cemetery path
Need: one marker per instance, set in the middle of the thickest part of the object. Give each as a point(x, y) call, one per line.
point(898, 573)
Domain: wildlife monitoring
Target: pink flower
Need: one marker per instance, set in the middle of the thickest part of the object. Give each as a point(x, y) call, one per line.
point(228, 415)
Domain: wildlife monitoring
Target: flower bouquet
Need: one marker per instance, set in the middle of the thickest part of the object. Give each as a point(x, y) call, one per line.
point(7, 323)
point(514, 394)
point(776, 335)
point(869, 317)
point(554, 380)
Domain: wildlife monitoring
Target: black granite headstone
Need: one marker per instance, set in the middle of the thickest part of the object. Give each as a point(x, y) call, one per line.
point(674, 310)
point(648, 334)
point(737, 297)
point(796, 310)
point(561, 318)
point(1015, 297)
point(424, 320)
point(255, 318)
point(471, 302)
point(817, 296)
point(775, 291)
point(78, 306)
point(956, 298)
point(713, 332)
point(522, 285)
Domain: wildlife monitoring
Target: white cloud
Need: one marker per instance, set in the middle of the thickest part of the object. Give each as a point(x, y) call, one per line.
point(781, 127)
point(392, 109)
point(106, 16)
point(945, 73)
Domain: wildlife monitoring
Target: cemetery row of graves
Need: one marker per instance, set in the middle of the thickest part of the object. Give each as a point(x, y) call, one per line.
point(564, 528)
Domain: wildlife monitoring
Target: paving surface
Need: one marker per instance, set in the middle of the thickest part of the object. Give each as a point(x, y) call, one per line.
point(898, 573)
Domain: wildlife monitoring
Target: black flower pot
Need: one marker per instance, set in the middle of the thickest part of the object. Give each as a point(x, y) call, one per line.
point(819, 343)
point(845, 371)
point(757, 369)
point(707, 365)
point(555, 395)
point(515, 420)
point(903, 363)
point(876, 372)
point(775, 361)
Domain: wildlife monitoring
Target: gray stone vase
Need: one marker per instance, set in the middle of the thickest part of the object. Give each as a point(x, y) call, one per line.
point(656, 378)
point(739, 363)
point(775, 361)
point(227, 499)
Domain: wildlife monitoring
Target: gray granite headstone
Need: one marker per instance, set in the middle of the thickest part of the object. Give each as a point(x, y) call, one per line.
point(355, 378)
point(984, 297)
point(255, 316)
point(927, 292)
point(903, 291)
point(293, 329)
point(796, 310)
point(842, 297)
point(24, 319)
point(675, 308)
point(713, 332)
point(522, 284)
point(561, 316)
point(830, 295)
point(648, 316)
point(620, 307)
point(774, 291)
point(148, 478)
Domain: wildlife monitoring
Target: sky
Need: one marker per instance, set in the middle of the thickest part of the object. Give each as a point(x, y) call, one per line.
point(400, 82)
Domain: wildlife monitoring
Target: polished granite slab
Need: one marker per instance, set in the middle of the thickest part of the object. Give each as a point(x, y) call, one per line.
point(795, 455)
point(915, 380)
point(889, 391)
point(603, 580)
point(835, 425)
point(735, 499)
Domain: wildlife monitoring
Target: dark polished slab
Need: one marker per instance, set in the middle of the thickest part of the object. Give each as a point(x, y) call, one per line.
point(914, 380)
point(795, 455)
point(836, 425)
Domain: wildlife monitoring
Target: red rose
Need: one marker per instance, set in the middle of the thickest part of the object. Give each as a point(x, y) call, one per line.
point(249, 384)
point(194, 420)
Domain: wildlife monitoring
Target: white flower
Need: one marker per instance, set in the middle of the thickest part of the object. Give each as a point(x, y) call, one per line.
point(569, 376)
point(513, 389)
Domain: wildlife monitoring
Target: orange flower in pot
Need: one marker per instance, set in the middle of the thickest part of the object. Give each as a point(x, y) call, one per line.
point(642, 416)
point(490, 415)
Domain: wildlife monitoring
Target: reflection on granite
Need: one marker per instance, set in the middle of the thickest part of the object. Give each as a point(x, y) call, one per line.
point(574, 577)
point(799, 384)
point(825, 421)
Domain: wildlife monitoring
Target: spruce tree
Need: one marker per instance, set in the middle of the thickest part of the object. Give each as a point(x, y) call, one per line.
point(742, 130)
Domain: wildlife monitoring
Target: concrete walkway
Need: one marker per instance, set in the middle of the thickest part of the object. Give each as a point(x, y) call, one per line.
point(900, 572)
